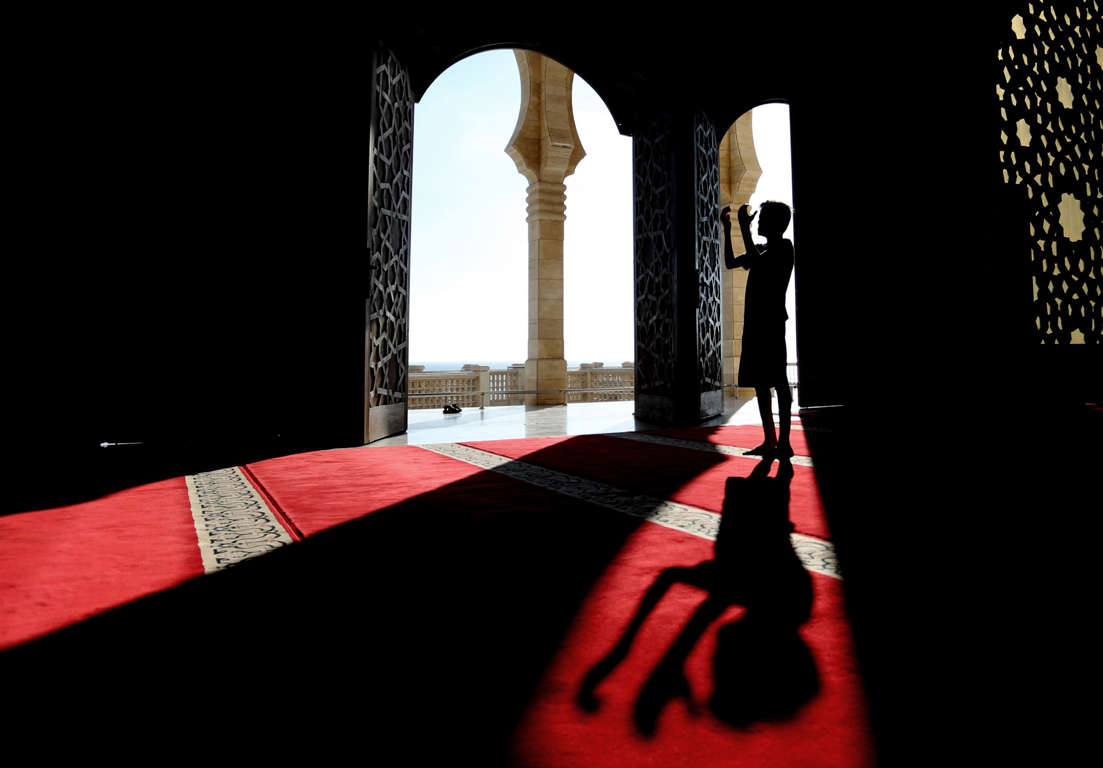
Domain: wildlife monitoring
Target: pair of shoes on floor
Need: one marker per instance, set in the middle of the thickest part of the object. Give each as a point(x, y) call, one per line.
point(452, 408)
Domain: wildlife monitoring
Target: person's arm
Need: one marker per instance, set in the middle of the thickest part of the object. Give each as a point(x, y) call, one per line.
point(731, 261)
point(745, 218)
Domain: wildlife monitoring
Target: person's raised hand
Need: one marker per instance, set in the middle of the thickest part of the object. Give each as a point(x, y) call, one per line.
point(745, 215)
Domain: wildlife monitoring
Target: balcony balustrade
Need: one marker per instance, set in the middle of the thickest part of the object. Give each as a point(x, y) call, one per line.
point(477, 386)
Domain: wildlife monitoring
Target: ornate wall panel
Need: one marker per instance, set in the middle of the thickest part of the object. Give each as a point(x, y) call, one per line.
point(389, 231)
point(1048, 82)
point(706, 162)
point(653, 205)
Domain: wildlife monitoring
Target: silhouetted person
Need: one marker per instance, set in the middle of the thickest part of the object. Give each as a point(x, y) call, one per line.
point(762, 360)
point(763, 669)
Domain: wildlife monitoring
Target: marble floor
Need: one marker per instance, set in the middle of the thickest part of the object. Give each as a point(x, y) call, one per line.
point(513, 421)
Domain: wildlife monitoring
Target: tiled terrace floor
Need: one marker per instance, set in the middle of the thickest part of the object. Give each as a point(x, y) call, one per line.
point(514, 421)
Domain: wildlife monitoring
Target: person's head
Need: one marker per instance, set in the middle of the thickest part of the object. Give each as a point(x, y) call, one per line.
point(773, 218)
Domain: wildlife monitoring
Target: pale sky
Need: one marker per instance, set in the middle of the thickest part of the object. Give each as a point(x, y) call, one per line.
point(469, 248)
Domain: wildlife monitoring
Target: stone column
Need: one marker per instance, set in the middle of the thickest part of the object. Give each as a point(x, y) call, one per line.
point(546, 149)
point(739, 175)
point(484, 384)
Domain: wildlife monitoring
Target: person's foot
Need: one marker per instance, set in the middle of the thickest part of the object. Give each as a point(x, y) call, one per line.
point(761, 450)
point(783, 449)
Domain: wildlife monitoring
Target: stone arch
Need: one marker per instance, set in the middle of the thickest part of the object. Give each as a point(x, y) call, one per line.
point(422, 79)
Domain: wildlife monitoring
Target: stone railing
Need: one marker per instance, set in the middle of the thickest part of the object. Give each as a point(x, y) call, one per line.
point(593, 382)
point(436, 389)
point(478, 386)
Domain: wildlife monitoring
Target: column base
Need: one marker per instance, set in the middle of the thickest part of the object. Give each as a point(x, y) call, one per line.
point(742, 393)
point(663, 409)
point(548, 377)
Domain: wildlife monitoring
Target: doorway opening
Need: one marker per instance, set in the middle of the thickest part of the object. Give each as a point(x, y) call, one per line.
point(487, 311)
point(755, 167)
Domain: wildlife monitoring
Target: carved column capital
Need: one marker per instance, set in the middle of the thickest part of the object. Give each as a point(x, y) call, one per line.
point(739, 168)
point(545, 144)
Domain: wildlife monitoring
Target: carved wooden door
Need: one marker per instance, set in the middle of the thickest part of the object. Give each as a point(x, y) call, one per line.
point(389, 185)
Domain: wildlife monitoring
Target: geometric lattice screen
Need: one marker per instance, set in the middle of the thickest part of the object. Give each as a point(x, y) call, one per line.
point(657, 173)
point(706, 164)
point(1049, 73)
point(653, 208)
point(389, 232)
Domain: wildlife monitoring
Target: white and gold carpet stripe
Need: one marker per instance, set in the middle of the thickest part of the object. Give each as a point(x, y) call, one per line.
point(815, 554)
point(232, 521)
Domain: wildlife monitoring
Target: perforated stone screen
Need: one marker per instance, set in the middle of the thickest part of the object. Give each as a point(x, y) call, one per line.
point(1048, 82)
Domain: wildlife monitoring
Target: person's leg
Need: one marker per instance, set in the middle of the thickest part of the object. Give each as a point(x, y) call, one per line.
point(785, 406)
point(766, 412)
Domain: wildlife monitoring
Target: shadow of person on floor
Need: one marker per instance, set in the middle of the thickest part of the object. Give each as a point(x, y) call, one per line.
point(763, 670)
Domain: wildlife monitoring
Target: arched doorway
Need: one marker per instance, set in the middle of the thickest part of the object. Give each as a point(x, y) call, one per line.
point(678, 375)
point(755, 166)
point(479, 212)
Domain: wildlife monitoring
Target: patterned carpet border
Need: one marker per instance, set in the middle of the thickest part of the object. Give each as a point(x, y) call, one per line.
point(815, 554)
point(232, 522)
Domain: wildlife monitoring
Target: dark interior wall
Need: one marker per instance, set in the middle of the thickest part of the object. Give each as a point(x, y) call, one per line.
point(960, 442)
point(912, 254)
point(892, 222)
point(193, 270)
point(193, 204)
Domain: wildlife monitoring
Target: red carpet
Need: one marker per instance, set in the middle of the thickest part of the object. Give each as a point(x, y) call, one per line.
point(829, 730)
point(688, 476)
point(59, 566)
point(322, 489)
point(446, 552)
